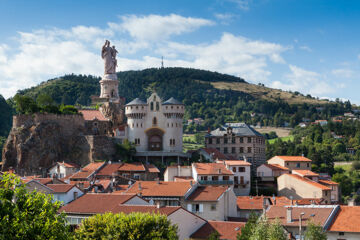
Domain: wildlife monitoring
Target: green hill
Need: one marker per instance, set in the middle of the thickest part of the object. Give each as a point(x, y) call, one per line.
point(215, 97)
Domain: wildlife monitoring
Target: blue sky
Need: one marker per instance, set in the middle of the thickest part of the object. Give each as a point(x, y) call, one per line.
point(307, 46)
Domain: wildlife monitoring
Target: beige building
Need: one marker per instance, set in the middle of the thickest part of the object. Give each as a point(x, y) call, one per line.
point(291, 162)
point(212, 202)
point(298, 187)
point(172, 172)
point(238, 141)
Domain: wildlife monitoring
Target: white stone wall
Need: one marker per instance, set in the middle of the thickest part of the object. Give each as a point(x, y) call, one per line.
point(241, 190)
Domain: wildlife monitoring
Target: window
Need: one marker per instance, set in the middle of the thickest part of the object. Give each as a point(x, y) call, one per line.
point(215, 178)
point(241, 179)
point(287, 164)
point(213, 207)
point(241, 169)
point(137, 141)
point(75, 195)
point(225, 140)
point(217, 140)
point(298, 165)
point(326, 193)
point(241, 149)
point(204, 178)
point(157, 106)
point(233, 150)
point(151, 106)
point(197, 208)
point(308, 165)
point(249, 150)
point(249, 139)
point(225, 150)
point(233, 140)
point(241, 140)
point(210, 140)
point(234, 169)
point(154, 121)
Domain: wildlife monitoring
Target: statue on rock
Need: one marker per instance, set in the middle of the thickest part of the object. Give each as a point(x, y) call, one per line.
point(109, 55)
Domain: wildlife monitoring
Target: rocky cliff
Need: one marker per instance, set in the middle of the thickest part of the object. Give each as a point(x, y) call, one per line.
point(37, 141)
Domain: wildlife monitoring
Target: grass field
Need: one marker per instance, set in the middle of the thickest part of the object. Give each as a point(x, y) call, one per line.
point(347, 166)
point(288, 138)
point(280, 131)
point(189, 143)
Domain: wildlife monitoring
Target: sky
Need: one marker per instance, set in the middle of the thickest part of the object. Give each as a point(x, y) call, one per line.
point(308, 46)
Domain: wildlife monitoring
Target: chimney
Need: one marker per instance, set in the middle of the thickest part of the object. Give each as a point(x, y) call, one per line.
point(289, 214)
point(140, 186)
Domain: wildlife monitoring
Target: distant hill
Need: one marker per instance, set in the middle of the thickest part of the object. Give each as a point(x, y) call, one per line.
point(212, 96)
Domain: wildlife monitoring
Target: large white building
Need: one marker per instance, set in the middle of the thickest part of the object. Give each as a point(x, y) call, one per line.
point(156, 127)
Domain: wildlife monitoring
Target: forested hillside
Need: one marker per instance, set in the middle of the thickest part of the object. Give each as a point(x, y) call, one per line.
point(202, 92)
point(5, 121)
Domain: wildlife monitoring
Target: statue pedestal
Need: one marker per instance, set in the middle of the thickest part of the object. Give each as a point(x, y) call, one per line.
point(109, 87)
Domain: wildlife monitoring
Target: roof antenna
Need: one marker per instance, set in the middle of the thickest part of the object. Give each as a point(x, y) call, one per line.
point(162, 62)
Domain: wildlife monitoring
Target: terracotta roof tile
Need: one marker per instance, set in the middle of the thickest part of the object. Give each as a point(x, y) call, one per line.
point(87, 171)
point(236, 163)
point(145, 209)
point(152, 168)
point(85, 184)
point(69, 165)
point(276, 167)
point(308, 181)
point(249, 202)
point(317, 214)
point(227, 230)
point(132, 167)
point(280, 201)
point(109, 169)
point(153, 188)
point(61, 188)
point(212, 169)
point(216, 153)
point(93, 203)
point(327, 182)
point(90, 115)
point(346, 220)
point(183, 179)
point(294, 158)
point(305, 173)
point(207, 193)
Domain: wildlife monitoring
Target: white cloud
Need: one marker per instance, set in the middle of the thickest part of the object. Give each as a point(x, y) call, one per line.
point(305, 48)
point(156, 27)
point(343, 73)
point(224, 18)
point(242, 4)
point(303, 81)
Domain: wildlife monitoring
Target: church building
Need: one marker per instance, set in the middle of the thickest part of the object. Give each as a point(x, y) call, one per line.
point(156, 127)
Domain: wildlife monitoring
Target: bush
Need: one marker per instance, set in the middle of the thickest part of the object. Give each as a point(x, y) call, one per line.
point(133, 226)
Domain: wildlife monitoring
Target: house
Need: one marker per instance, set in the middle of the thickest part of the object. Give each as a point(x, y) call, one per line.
point(226, 230)
point(95, 122)
point(212, 202)
point(109, 171)
point(289, 216)
point(241, 170)
point(212, 173)
point(138, 171)
point(163, 193)
point(335, 198)
point(65, 193)
point(34, 185)
point(177, 171)
point(91, 204)
point(291, 162)
point(345, 225)
point(268, 171)
point(211, 154)
point(248, 204)
point(307, 173)
point(88, 172)
point(63, 169)
point(321, 122)
point(298, 187)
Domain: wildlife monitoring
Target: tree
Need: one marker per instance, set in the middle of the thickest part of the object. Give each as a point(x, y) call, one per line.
point(314, 232)
point(214, 236)
point(250, 225)
point(144, 226)
point(28, 215)
point(126, 150)
point(265, 230)
point(25, 104)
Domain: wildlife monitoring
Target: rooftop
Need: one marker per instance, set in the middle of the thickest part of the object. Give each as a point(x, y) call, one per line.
point(227, 230)
point(172, 101)
point(61, 188)
point(308, 181)
point(129, 167)
point(294, 158)
point(250, 202)
point(207, 193)
point(69, 165)
point(87, 171)
point(216, 154)
point(346, 220)
point(90, 115)
point(136, 101)
point(109, 169)
point(152, 168)
point(276, 167)
point(237, 163)
point(212, 169)
point(155, 188)
point(305, 173)
point(238, 129)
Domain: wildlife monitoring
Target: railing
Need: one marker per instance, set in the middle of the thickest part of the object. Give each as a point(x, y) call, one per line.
point(216, 182)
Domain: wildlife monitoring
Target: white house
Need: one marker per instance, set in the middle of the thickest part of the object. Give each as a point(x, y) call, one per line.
point(63, 169)
point(212, 173)
point(65, 192)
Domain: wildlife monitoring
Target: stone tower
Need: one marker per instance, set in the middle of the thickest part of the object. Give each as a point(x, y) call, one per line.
point(109, 87)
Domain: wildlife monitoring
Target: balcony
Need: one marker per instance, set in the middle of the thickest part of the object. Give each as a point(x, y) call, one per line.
point(216, 182)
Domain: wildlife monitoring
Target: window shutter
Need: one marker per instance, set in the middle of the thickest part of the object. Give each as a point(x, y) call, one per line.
point(201, 208)
point(189, 207)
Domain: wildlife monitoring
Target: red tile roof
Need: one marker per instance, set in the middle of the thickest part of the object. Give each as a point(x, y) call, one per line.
point(236, 163)
point(93, 203)
point(132, 167)
point(152, 168)
point(308, 181)
point(207, 193)
point(69, 165)
point(145, 209)
point(305, 173)
point(153, 188)
point(90, 115)
point(346, 220)
point(215, 153)
point(280, 201)
point(61, 188)
point(327, 182)
point(85, 184)
point(249, 202)
point(227, 230)
point(183, 179)
point(212, 169)
point(109, 169)
point(294, 158)
point(317, 214)
point(87, 171)
point(276, 167)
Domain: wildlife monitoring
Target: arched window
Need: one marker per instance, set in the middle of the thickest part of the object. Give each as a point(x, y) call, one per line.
point(154, 121)
point(152, 106)
point(157, 106)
